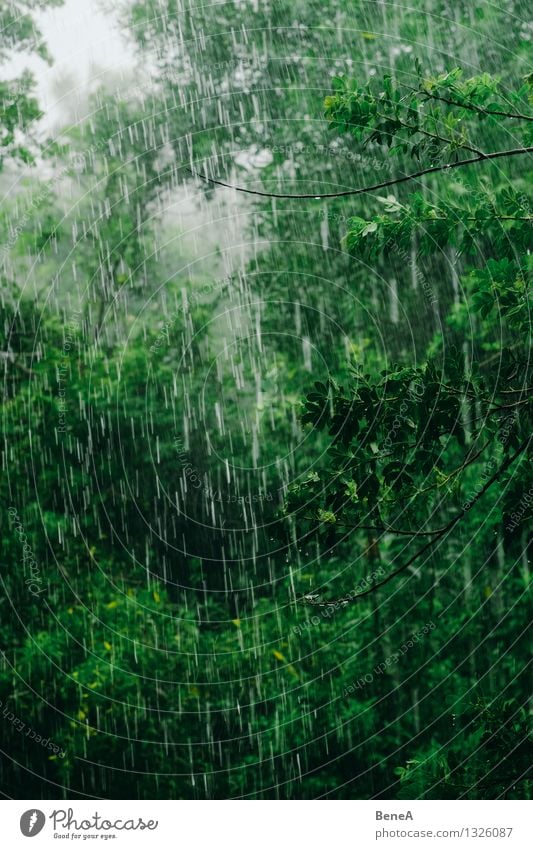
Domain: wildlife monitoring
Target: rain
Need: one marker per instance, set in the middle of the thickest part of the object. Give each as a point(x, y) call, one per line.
point(245, 390)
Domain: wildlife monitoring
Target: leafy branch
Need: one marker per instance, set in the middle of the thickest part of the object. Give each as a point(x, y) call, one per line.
point(348, 599)
point(436, 169)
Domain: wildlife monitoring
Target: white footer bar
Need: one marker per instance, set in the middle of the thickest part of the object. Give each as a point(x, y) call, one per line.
point(267, 824)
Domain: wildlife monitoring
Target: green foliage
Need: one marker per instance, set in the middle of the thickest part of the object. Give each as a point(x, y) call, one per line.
point(188, 641)
point(19, 28)
point(19, 110)
point(438, 442)
point(490, 750)
point(504, 220)
point(432, 121)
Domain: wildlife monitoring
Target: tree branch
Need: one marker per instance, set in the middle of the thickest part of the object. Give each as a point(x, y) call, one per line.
point(427, 546)
point(389, 529)
point(472, 107)
point(351, 192)
point(434, 136)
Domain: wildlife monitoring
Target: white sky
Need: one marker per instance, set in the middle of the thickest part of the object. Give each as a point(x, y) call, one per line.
point(86, 45)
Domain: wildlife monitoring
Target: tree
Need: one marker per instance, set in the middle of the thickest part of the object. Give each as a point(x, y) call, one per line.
point(426, 457)
point(19, 108)
point(407, 446)
point(167, 655)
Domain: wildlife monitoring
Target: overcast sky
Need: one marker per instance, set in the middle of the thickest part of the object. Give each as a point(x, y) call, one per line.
point(86, 44)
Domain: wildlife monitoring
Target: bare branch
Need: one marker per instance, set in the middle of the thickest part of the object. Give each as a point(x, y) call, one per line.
point(352, 192)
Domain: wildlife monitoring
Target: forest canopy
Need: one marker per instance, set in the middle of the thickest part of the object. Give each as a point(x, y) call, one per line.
point(267, 481)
